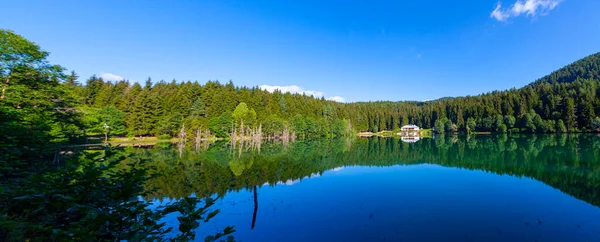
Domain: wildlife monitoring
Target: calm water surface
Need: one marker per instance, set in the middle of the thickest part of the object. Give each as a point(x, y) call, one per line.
point(478, 188)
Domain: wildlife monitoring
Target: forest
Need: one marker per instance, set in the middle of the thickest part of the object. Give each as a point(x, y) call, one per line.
point(83, 197)
point(567, 100)
point(43, 108)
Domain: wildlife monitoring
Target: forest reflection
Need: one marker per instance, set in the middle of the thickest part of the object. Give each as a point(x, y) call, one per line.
point(568, 162)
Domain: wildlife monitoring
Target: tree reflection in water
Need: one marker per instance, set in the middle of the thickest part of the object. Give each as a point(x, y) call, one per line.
point(567, 162)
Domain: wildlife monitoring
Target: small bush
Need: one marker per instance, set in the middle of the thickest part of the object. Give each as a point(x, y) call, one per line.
point(164, 137)
point(514, 130)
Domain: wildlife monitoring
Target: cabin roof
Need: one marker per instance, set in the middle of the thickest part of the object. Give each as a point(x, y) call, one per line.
point(410, 126)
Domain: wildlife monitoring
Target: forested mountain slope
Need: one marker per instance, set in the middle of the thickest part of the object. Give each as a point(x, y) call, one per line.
point(586, 68)
point(565, 101)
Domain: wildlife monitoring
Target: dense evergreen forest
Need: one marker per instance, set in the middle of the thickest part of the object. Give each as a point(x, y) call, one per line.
point(85, 197)
point(567, 100)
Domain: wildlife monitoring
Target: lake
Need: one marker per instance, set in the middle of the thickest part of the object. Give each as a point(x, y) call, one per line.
point(459, 188)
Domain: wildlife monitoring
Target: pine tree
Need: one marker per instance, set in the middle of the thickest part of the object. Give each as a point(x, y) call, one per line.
point(569, 114)
point(586, 115)
point(72, 79)
point(198, 110)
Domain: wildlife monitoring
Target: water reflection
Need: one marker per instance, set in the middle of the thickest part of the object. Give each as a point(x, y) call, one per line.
point(410, 139)
point(459, 187)
point(567, 162)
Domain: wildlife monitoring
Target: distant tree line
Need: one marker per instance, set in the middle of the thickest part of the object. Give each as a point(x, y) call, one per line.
point(162, 108)
point(565, 101)
point(84, 198)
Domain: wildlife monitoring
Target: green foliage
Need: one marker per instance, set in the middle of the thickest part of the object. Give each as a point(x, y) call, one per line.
point(164, 137)
point(596, 124)
point(338, 128)
point(550, 126)
point(586, 113)
point(221, 125)
point(586, 68)
point(499, 124)
point(560, 127)
point(574, 99)
point(244, 114)
point(510, 121)
point(72, 80)
point(323, 129)
point(282, 104)
point(36, 111)
point(312, 129)
point(329, 113)
point(273, 125)
point(240, 112)
point(93, 120)
point(448, 126)
point(471, 124)
point(527, 122)
point(114, 118)
point(445, 125)
point(517, 155)
point(454, 128)
point(502, 128)
point(569, 114)
point(440, 127)
point(539, 123)
point(17, 52)
point(138, 118)
point(299, 125)
point(198, 109)
point(169, 125)
point(92, 199)
point(88, 198)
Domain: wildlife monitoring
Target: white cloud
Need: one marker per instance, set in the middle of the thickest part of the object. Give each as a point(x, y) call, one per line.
point(530, 8)
point(300, 90)
point(291, 89)
point(499, 14)
point(111, 77)
point(337, 99)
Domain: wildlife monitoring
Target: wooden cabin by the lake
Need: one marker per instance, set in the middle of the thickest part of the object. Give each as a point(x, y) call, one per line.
point(410, 130)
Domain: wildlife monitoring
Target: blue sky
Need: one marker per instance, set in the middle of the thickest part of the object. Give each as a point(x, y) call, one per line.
point(350, 50)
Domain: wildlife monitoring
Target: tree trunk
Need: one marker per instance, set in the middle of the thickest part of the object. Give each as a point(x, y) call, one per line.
point(255, 208)
point(4, 87)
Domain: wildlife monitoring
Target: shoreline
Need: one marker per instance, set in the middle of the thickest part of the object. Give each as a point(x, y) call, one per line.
point(150, 140)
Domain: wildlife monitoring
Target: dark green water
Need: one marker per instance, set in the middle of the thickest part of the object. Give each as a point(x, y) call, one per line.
point(478, 188)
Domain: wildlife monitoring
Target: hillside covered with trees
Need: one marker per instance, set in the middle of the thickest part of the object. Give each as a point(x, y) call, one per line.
point(567, 100)
point(43, 108)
